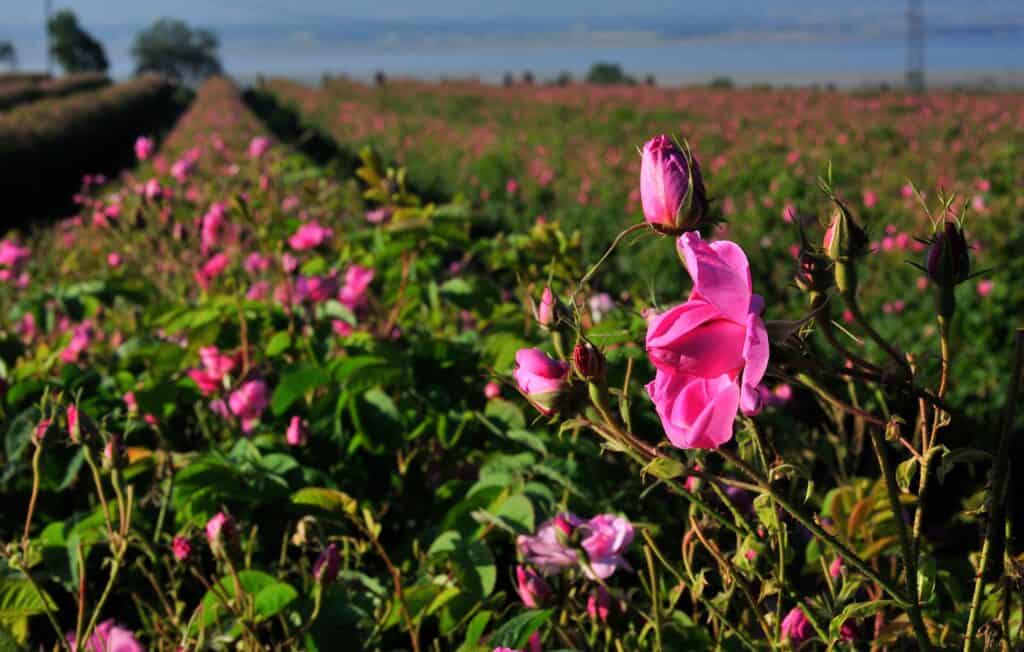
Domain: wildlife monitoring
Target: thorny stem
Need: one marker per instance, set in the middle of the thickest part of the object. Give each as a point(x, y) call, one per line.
point(762, 486)
point(998, 490)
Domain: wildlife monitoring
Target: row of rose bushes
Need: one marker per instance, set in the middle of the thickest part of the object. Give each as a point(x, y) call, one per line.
point(229, 365)
point(29, 89)
point(47, 144)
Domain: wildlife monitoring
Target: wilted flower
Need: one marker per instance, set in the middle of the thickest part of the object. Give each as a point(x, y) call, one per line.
point(540, 378)
point(671, 188)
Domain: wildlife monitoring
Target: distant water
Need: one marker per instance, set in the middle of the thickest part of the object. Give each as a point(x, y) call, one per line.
point(844, 62)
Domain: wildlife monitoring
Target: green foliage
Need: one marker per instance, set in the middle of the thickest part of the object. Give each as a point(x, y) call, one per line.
point(73, 48)
point(170, 47)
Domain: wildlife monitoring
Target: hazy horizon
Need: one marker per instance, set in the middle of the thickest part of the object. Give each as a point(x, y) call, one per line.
point(788, 41)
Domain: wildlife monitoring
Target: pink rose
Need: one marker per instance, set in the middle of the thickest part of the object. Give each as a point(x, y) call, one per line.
point(546, 311)
point(357, 280)
point(258, 147)
point(309, 236)
point(531, 587)
point(671, 188)
point(74, 430)
point(220, 529)
point(795, 626)
point(540, 378)
point(109, 637)
point(492, 390)
point(144, 148)
point(296, 433)
point(710, 352)
point(605, 538)
point(599, 604)
point(248, 402)
point(549, 548)
point(181, 548)
point(114, 259)
point(315, 289)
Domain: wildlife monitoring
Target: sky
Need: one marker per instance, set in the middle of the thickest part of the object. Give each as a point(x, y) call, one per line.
point(438, 37)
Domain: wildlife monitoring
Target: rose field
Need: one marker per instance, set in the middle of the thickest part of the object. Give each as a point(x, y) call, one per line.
point(456, 366)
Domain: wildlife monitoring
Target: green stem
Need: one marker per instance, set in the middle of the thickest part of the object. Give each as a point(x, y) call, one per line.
point(995, 497)
point(851, 303)
point(909, 561)
point(611, 248)
point(763, 487)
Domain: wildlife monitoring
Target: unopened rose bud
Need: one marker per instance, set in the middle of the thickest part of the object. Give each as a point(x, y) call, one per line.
point(74, 429)
point(671, 187)
point(813, 272)
point(541, 379)
point(113, 453)
point(948, 260)
point(41, 428)
point(844, 239)
point(296, 434)
point(546, 309)
point(325, 569)
point(588, 362)
point(533, 590)
point(221, 531)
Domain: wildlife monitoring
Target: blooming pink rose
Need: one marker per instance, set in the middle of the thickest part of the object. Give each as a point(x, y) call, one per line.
point(109, 637)
point(216, 365)
point(671, 188)
point(605, 538)
point(296, 433)
point(309, 236)
point(211, 269)
point(533, 590)
point(12, 255)
point(144, 148)
point(357, 280)
point(710, 352)
point(315, 289)
point(248, 402)
point(212, 228)
point(181, 548)
point(258, 291)
point(258, 147)
point(549, 548)
point(540, 378)
point(114, 259)
point(180, 170)
point(81, 338)
point(795, 626)
point(256, 262)
point(289, 263)
point(152, 190)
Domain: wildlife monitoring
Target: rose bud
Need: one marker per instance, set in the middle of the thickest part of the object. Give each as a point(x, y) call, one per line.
point(588, 362)
point(531, 587)
point(546, 310)
point(221, 530)
point(325, 569)
point(844, 238)
point(599, 604)
point(74, 429)
point(540, 378)
point(181, 548)
point(947, 259)
point(113, 453)
point(296, 434)
point(813, 273)
point(671, 187)
point(795, 626)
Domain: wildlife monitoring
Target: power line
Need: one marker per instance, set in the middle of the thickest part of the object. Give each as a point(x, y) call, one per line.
point(915, 46)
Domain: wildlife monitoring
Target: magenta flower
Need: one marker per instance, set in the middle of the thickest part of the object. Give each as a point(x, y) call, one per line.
point(296, 433)
point(540, 378)
point(152, 190)
point(212, 229)
point(315, 289)
point(114, 259)
point(605, 538)
point(248, 402)
point(81, 338)
point(13, 256)
point(181, 548)
point(310, 236)
point(144, 148)
point(599, 604)
point(492, 390)
point(357, 280)
point(289, 263)
point(549, 548)
point(211, 269)
point(671, 188)
point(985, 287)
point(795, 626)
point(256, 262)
point(326, 567)
point(533, 590)
point(220, 529)
point(74, 429)
point(109, 637)
point(216, 365)
point(710, 352)
point(258, 146)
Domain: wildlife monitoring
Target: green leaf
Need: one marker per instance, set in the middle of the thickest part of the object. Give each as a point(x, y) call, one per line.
point(475, 630)
point(19, 601)
point(271, 600)
point(856, 611)
point(294, 385)
point(278, 344)
point(330, 500)
point(19, 433)
point(11, 633)
point(905, 473)
point(270, 596)
point(766, 514)
point(664, 468)
point(926, 580)
point(517, 510)
point(516, 632)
